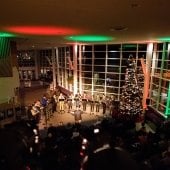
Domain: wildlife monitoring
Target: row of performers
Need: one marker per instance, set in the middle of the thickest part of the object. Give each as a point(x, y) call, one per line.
point(45, 105)
point(82, 100)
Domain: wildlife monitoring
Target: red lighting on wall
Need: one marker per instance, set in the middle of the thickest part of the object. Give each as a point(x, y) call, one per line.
point(42, 30)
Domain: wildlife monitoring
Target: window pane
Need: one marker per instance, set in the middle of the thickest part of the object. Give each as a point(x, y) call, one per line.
point(99, 62)
point(114, 55)
point(113, 62)
point(99, 47)
point(87, 61)
point(129, 47)
point(101, 55)
point(142, 47)
point(114, 47)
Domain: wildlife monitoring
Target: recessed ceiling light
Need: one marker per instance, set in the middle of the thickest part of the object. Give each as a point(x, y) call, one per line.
point(135, 5)
point(118, 28)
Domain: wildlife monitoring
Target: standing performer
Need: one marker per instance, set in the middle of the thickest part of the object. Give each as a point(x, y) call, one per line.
point(97, 101)
point(84, 101)
point(56, 101)
point(61, 100)
point(92, 103)
point(70, 102)
point(104, 105)
point(35, 111)
point(111, 104)
point(77, 100)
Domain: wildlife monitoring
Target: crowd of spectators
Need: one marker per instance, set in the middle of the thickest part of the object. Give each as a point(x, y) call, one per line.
point(112, 143)
point(64, 148)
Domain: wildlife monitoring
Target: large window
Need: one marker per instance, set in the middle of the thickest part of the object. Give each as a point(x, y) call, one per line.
point(160, 79)
point(105, 65)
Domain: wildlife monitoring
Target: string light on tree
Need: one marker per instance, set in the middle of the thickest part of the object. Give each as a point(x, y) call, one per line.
point(130, 99)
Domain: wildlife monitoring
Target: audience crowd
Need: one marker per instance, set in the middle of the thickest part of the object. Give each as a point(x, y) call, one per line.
point(112, 143)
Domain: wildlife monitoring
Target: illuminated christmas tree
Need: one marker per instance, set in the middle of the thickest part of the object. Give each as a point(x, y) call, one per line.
point(130, 99)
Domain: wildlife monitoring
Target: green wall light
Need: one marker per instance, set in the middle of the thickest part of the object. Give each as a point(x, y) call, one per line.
point(129, 45)
point(167, 111)
point(89, 38)
point(6, 34)
point(164, 39)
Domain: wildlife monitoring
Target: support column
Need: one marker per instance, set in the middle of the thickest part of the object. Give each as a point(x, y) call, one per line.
point(106, 61)
point(146, 70)
point(37, 65)
point(21, 74)
point(92, 87)
point(164, 56)
point(80, 70)
point(75, 69)
point(57, 66)
point(66, 54)
point(54, 67)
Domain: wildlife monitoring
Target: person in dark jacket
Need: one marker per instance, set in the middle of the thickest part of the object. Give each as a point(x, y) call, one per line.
point(78, 115)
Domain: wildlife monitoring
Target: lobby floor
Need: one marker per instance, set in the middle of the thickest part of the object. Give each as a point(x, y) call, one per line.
point(32, 94)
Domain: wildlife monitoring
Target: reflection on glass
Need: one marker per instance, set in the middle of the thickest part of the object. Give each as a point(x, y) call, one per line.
point(87, 87)
point(87, 81)
point(114, 55)
point(99, 88)
point(114, 47)
point(113, 62)
point(161, 108)
point(112, 90)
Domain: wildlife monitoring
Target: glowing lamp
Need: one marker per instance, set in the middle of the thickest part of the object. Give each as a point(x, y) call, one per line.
point(42, 30)
point(6, 34)
point(89, 38)
point(164, 39)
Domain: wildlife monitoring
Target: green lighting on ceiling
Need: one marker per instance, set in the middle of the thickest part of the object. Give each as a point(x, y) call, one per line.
point(6, 34)
point(164, 39)
point(89, 38)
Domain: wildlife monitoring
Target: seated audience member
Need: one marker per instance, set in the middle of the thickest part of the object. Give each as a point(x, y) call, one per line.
point(110, 159)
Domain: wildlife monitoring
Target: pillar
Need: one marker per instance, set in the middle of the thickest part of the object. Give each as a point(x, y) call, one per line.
point(75, 69)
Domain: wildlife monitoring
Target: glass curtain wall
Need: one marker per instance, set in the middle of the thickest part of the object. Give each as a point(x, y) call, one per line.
point(160, 79)
point(104, 66)
point(26, 63)
point(65, 64)
point(45, 63)
point(101, 68)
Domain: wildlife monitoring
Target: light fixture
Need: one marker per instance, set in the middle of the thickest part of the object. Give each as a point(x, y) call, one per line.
point(6, 34)
point(89, 38)
point(42, 30)
point(118, 28)
point(164, 39)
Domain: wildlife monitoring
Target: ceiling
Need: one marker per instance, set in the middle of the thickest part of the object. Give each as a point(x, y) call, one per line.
point(124, 20)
